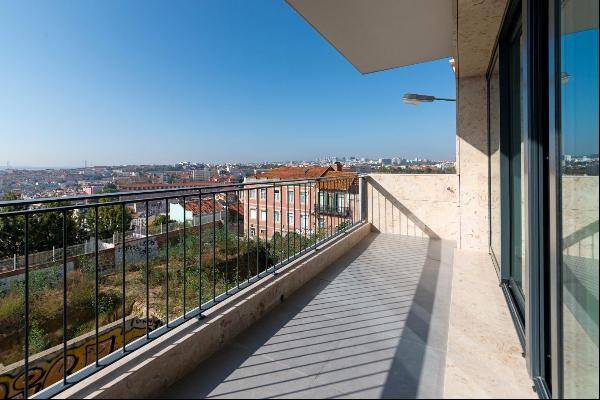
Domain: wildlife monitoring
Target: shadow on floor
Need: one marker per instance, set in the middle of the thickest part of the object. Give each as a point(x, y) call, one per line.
point(373, 325)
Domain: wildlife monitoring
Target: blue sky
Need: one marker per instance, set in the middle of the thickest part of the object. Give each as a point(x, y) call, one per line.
point(122, 82)
point(579, 59)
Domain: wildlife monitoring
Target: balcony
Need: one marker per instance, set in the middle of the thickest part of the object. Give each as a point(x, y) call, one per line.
point(336, 211)
point(378, 303)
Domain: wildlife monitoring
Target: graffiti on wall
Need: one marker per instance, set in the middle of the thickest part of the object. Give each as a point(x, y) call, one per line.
point(48, 369)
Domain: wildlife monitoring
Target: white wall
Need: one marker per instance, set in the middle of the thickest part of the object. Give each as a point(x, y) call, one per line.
point(423, 205)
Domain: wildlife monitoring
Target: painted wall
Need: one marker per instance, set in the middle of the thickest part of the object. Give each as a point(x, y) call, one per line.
point(46, 368)
point(423, 205)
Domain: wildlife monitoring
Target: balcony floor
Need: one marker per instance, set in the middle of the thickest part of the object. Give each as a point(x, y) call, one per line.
point(374, 324)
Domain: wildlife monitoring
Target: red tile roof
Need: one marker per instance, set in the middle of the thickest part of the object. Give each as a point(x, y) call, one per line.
point(346, 181)
point(151, 185)
point(204, 207)
point(237, 208)
point(293, 173)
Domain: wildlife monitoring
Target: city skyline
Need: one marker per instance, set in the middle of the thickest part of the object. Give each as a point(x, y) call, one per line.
point(222, 81)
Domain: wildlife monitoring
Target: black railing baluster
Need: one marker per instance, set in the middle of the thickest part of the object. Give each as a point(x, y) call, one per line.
point(147, 276)
point(257, 235)
point(97, 294)
point(266, 229)
point(310, 213)
point(237, 223)
point(287, 199)
point(247, 214)
point(330, 216)
point(214, 247)
point(274, 245)
point(200, 253)
point(280, 257)
point(184, 256)
point(226, 276)
point(305, 218)
point(123, 274)
point(26, 250)
point(64, 256)
point(317, 205)
point(167, 258)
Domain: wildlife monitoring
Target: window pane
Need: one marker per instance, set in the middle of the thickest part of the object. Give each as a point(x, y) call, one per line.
point(495, 183)
point(579, 196)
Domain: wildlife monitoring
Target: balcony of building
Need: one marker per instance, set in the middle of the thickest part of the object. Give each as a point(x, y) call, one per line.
point(334, 210)
point(380, 305)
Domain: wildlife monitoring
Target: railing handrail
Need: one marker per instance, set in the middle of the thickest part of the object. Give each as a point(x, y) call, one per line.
point(206, 189)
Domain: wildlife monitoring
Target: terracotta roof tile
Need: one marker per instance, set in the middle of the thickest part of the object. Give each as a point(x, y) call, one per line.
point(293, 173)
point(348, 181)
point(204, 207)
point(238, 208)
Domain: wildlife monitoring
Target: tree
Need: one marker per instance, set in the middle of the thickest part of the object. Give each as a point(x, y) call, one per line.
point(161, 220)
point(11, 229)
point(109, 188)
point(110, 219)
point(45, 229)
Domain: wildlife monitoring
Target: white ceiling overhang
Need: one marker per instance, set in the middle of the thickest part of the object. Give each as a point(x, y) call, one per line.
point(375, 35)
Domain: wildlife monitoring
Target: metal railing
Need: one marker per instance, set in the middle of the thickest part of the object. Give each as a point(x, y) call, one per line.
point(62, 323)
point(339, 211)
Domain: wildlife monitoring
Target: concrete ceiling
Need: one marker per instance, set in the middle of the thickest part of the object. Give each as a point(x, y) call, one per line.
point(375, 35)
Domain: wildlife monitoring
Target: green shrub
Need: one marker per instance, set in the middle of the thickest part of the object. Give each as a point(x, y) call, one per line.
point(12, 312)
point(38, 341)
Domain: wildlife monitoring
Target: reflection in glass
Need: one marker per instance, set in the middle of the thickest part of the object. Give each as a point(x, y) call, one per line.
point(495, 158)
point(516, 169)
point(579, 196)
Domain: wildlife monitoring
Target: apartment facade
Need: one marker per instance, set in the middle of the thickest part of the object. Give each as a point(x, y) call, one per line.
point(302, 207)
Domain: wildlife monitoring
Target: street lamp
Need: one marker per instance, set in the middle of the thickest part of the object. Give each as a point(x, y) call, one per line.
point(414, 99)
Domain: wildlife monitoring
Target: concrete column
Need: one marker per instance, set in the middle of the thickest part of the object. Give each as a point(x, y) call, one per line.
point(472, 162)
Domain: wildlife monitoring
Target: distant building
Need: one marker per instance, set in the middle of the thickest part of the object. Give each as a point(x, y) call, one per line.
point(197, 212)
point(299, 207)
point(92, 189)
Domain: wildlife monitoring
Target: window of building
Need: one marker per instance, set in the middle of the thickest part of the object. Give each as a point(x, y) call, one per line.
point(276, 216)
point(263, 215)
point(291, 218)
point(340, 201)
point(303, 197)
point(277, 194)
point(253, 213)
point(252, 232)
point(263, 194)
point(322, 199)
point(253, 194)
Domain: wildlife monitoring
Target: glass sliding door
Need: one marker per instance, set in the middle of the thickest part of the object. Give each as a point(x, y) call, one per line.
point(578, 196)
point(496, 159)
point(517, 264)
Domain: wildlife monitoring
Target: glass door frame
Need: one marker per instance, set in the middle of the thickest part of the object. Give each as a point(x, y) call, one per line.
point(534, 324)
